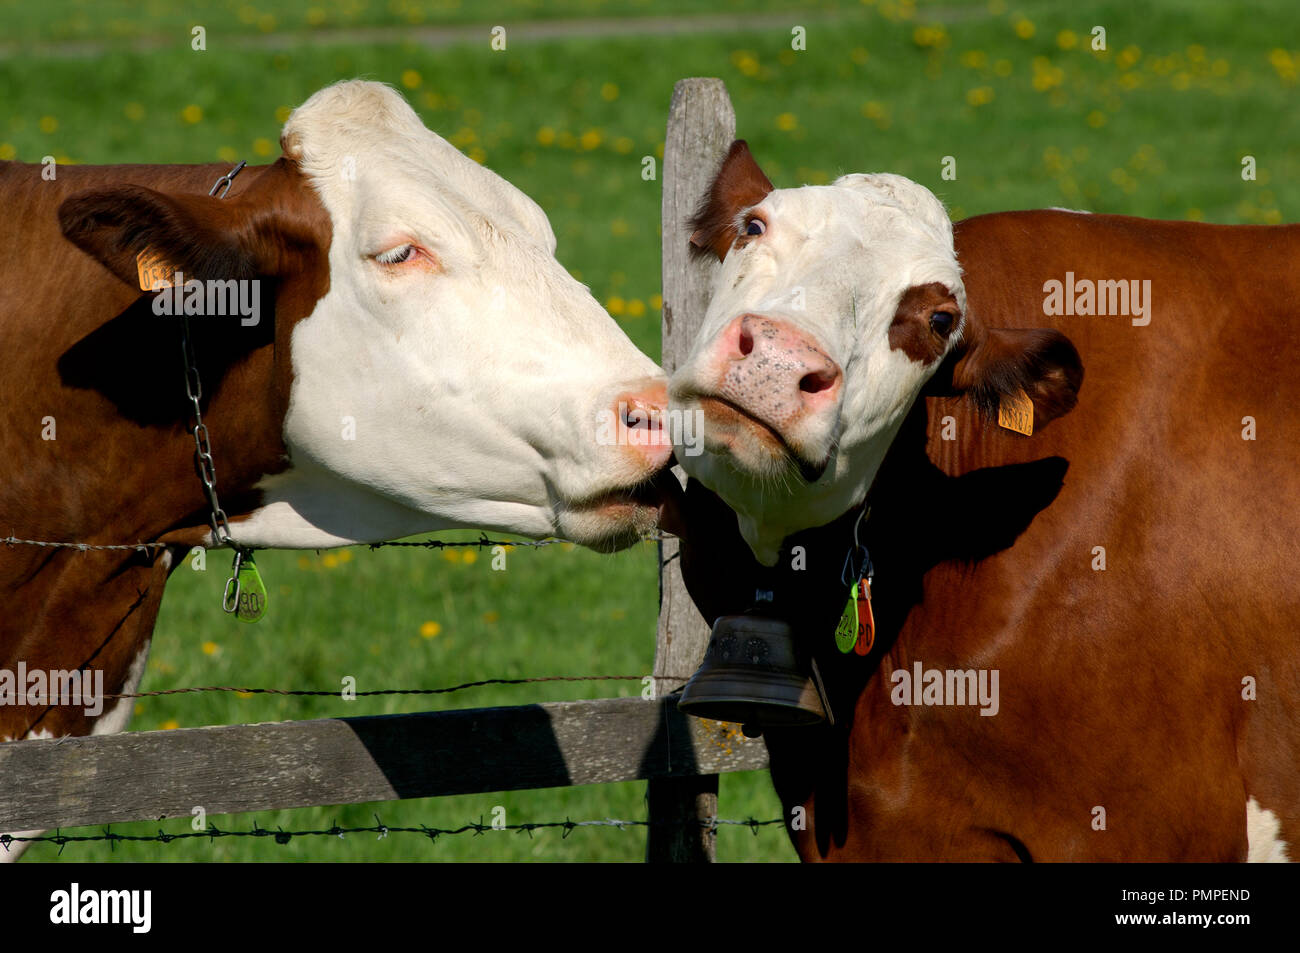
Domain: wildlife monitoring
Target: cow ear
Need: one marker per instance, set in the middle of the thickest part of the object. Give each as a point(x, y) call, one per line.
point(204, 237)
point(739, 184)
point(993, 363)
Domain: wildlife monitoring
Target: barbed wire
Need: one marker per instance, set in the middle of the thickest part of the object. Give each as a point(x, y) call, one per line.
point(481, 542)
point(399, 691)
point(484, 541)
point(281, 836)
point(84, 547)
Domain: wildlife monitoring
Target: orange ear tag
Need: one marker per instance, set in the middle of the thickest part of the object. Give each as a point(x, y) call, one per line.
point(1016, 412)
point(153, 270)
point(866, 619)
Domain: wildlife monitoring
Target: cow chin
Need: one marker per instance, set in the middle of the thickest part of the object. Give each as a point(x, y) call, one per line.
point(607, 527)
point(615, 520)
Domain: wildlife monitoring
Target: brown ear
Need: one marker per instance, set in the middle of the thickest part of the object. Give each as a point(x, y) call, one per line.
point(992, 363)
point(204, 237)
point(739, 184)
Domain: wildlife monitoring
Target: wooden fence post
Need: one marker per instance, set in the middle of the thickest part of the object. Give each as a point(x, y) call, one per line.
point(701, 126)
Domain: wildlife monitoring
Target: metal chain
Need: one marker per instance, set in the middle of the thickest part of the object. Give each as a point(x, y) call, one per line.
point(203, 461)
point(202, 446)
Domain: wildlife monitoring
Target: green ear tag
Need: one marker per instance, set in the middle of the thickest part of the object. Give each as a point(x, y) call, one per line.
point(252, 592)
point(846, 632)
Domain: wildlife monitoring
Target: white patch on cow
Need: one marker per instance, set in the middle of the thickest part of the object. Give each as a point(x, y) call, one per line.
point(1263, 836)
point(855, 247)
point(118, 717)
point(301, 510)
point(1076, 211)
point(474, 376)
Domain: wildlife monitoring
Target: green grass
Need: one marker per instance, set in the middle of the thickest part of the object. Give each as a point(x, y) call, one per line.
point(119, 20)
point(1156, 126)
point(401, 618)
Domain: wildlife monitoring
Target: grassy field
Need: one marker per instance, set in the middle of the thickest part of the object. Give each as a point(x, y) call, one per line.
point(1157, 124)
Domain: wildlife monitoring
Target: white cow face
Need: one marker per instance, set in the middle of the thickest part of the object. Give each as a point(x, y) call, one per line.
point(446, 371)
point(832, 308)
point(488, 388)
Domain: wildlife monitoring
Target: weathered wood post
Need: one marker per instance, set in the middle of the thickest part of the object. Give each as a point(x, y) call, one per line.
point(701, 126)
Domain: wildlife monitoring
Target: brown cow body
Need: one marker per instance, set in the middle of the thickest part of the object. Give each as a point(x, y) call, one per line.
point(102, 482)
point(1124, 689)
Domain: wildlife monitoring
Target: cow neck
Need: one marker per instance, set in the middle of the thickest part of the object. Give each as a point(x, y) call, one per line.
point(803, 575)
point(248, 378)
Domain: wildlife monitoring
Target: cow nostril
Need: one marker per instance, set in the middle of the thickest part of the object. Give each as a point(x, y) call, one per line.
point(746, 341)
point(818, 381)
point(636, 416)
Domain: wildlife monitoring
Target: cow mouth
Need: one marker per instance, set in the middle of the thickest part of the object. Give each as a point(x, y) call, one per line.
point(730, 414)
point(616, 519)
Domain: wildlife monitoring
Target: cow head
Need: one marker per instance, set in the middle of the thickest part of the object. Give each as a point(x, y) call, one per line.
point(831, 310)
point(441, 368)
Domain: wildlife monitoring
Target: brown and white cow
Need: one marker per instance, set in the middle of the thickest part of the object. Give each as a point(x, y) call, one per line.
point(1127, 572)
point(420, 361)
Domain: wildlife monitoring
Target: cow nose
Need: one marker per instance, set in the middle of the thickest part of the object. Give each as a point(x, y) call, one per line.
point(642, 416)
point(780, 364)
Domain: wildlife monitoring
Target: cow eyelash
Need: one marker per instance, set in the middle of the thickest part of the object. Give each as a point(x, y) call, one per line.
point(396, 256)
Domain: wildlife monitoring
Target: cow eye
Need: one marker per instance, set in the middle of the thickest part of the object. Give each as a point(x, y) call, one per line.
point(756, 226)
point(941, 323)
point(396, 256)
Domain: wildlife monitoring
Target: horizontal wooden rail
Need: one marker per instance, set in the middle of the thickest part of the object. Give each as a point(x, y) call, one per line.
point(150, 775)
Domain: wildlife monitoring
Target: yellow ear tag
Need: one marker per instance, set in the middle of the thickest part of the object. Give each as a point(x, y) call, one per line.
point(153, 270)
point(1016, 412)
point(252, 592)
